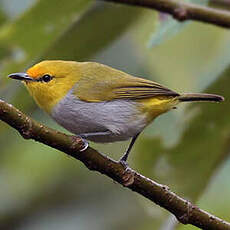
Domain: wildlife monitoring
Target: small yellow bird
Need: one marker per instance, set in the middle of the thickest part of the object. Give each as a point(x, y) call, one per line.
point(100, 103)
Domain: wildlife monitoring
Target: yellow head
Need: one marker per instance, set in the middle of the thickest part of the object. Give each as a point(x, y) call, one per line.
point(49, 81)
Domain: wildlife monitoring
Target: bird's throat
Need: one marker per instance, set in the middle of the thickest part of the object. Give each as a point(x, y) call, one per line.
point(46, 99)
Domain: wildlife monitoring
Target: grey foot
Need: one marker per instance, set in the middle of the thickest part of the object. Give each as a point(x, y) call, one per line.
point(124, 163)
point(85, 146)
point(79, 140)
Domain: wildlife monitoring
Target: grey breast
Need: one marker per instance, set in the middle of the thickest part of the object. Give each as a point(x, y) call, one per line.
point(120, 117)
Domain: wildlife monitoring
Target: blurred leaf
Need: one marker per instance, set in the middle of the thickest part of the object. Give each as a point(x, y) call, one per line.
point(33, 27)
point(25, 164)
point(3, 17)
point(187, 166)
point(94, 32)
point(202, 52)
point(215, 198)
point(35, 176)
point(14, 8)
point(167, 26)
point(96, 19)
point(40, 25)
point(84, 38)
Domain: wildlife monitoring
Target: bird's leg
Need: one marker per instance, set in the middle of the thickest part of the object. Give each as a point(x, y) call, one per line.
point(123, 159)
point(86, 135)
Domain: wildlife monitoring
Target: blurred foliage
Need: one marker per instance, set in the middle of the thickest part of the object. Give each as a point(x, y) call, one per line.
point(186, 149)
point(167, 26)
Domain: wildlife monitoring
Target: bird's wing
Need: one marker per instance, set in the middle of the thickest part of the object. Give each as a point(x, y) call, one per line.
point(103, 83)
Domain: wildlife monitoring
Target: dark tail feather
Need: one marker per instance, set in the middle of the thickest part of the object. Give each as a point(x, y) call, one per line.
point(200, 97)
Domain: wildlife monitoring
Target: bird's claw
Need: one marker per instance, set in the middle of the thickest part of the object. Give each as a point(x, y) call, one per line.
point(85, 145)
point(79, 140)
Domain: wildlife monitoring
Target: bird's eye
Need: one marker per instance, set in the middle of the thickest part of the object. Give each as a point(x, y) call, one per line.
point(46, 78)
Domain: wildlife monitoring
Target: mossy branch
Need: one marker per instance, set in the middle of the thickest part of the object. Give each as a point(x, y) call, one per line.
point(182, 11)
point(185, 212)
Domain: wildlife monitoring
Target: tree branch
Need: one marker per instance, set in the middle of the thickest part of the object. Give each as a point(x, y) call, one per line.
point(183, 11)
point(221, 3)
point(185, 212)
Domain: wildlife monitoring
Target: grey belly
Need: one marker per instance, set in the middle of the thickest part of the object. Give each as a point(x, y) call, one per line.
point(121, 118)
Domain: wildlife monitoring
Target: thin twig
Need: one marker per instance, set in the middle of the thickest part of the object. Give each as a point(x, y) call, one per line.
point(184, 211)
point(221, 3)
point(183, 11)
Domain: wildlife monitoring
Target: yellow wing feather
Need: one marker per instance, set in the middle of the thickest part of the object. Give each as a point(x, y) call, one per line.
point(103, 83)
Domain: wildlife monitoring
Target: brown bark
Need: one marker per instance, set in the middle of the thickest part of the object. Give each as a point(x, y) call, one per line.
point(183, 11)
point(185, 212)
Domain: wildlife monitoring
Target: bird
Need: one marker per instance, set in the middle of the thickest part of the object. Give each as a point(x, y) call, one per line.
point(100, 103)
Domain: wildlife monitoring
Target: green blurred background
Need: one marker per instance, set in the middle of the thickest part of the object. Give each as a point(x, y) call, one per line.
point(186, 149)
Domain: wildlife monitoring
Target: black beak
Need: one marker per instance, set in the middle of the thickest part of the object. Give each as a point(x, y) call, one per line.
point(21, 76)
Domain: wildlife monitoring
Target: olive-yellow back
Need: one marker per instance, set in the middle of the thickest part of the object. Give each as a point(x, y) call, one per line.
point(94, 82)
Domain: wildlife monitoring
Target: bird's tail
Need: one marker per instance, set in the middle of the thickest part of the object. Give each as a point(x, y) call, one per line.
point(200, 97)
